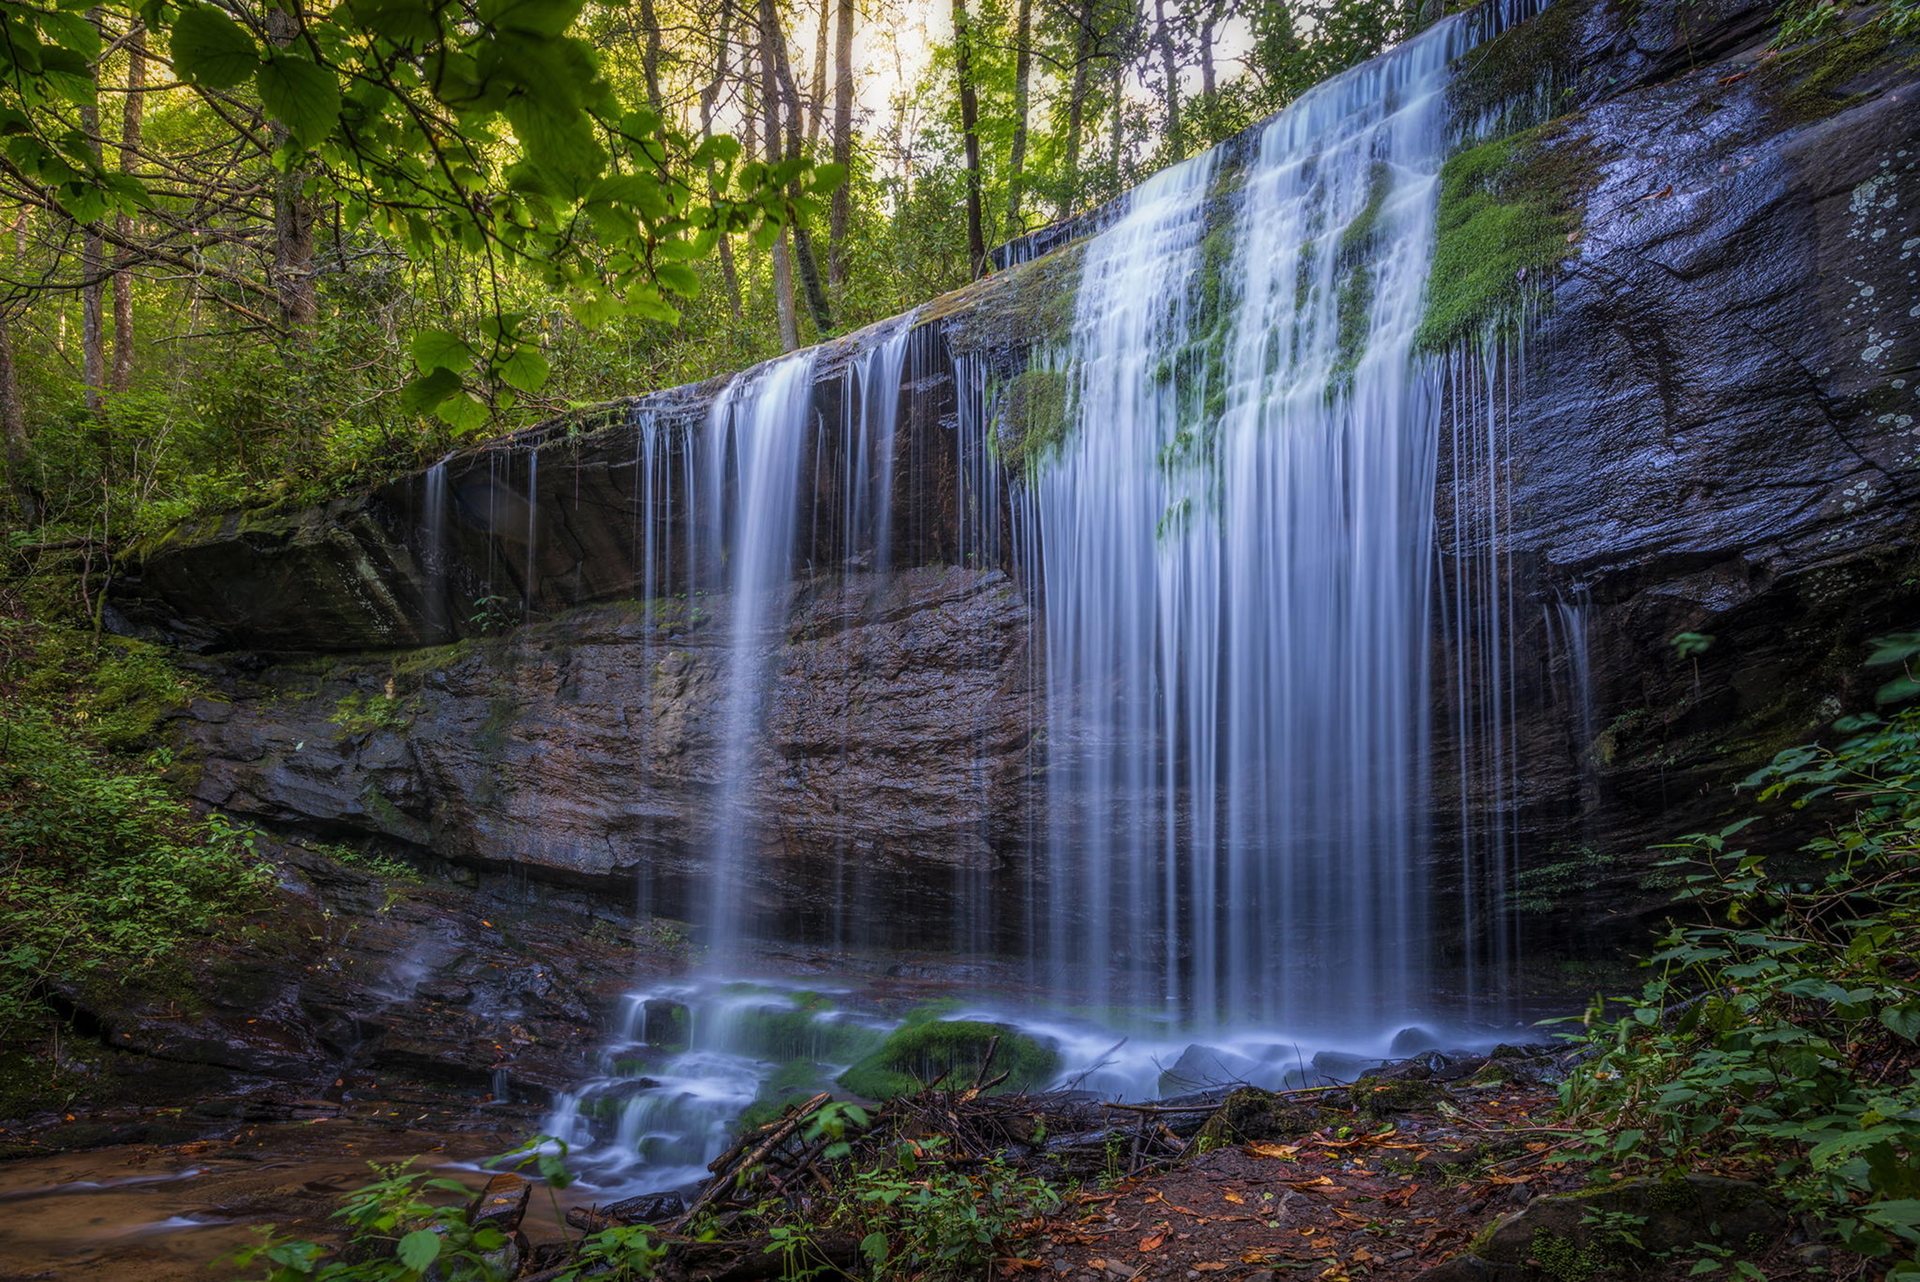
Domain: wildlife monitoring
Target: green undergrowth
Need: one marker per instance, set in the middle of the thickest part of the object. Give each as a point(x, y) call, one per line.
point(926, 1049)
point(1780, 1034)
point(1813, 78)
point(108, 871)
point(1510, 212)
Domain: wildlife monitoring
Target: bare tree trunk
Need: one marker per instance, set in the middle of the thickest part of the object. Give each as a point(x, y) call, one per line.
point(13, 427)
point(1022, 91)
point(293, 277)
point(817, 89)
point(1077, 103)
point(970, 133)
point(1208, 83)
point(131, 119)
point(650, 56)
point(13, 411)
point(722, 65)
point(93, 329)
point(808, 266)
point(770, 126)
point(842, 210)
point(1117, 139)
point(1170, 68)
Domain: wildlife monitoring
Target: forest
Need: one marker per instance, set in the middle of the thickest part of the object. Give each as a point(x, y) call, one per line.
point(960, 639)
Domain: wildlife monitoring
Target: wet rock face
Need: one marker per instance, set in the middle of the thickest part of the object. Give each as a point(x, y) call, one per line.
point(588, 749)
point(1712, 429)
point(1716, 431)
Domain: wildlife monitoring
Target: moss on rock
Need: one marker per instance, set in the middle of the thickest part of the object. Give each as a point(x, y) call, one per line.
point(1376, 1096)
point(1510, 210)
point(1250, 1115)
point(923, 1050)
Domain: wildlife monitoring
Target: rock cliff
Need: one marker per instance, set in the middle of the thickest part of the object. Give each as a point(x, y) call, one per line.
point(1709, 426)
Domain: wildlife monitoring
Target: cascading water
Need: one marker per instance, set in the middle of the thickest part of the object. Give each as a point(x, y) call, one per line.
point(1236, 547)
point(751, 475)
point(1232, 537)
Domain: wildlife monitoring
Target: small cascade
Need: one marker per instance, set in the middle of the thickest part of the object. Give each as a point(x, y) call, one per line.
point(687, 1062)
point(434, 517)
point(529, 582)
point(1480, 624)
point(750, 474)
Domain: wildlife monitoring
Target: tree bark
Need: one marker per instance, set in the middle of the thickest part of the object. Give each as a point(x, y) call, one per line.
point(1022, 95)
point(293, 277)
point(842, 210)
point(650, 56)
point(131, 120)
point(970, 134)
point(817, 88)
point(804, 260)
point(1170, 68)
point(770, 128)
point(93, 329)
point(709, 96)
point(1077, 103)
point(13, 412)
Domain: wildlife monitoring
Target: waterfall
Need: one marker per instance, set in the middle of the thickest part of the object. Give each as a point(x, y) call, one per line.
point(751, 478)
point(434, 518)
point(1236, 554)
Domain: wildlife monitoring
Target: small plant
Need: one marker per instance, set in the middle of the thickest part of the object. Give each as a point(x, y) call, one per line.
point(1785, 1031)
point(947, 1223)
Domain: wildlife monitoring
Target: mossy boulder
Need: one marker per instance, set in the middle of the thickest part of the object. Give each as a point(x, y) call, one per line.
point(1625, 1225)
point(1377, 1096)
point(925, 1050)
point(1251, 1115)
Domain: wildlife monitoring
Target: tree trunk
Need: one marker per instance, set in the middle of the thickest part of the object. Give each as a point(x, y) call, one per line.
point(1077, 103)
point(1207, 24)
point(1170, 68)
point(1117, 139)
point(293, 277)
point(842, 210)
point(770, 129)
point(1022, 90)
point(722, 65)
point(970, 134)
point(817, 89)
point(650, 56)
point(809, 268)
point(131, 120)
point(13, 428)
point(93, 329)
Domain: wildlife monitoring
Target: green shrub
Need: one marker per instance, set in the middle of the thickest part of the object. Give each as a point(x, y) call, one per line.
point(107, 870)
point(1783, 1032)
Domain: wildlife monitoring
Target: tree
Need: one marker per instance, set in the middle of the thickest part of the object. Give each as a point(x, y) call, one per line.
point(970, 128)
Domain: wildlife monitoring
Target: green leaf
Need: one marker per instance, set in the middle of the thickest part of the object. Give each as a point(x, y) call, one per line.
point(827, 177)
point(71, 31)
point(1903, 1020)
point(211, 49)
point(874, 1247)
point(405, 22)
point(302, 95)
point(429, 390)
point(463, 414)
point(418, 1249)
point(437, 349)
point(526, 369)
point(680, 279)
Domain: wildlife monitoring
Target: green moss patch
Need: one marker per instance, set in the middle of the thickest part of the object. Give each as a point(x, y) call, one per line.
point(1811, 81)
point(925, 1050)
point(1037, 410)
point(1522, 68)
point(1510, 211)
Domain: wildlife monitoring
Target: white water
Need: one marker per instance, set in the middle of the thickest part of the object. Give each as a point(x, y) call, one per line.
point(1235, 553)
point(1239, 593)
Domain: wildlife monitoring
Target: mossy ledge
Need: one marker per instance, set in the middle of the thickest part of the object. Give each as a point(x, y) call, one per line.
point(1510, 211)
point(923, 1050)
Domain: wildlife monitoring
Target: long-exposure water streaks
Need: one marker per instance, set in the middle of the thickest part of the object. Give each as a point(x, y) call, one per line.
point(1236, 546)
